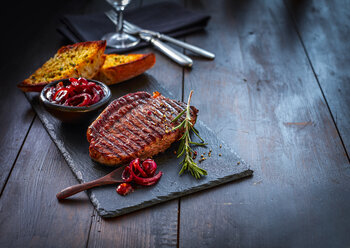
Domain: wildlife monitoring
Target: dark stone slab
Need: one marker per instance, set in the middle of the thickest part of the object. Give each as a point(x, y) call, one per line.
point(223, 166)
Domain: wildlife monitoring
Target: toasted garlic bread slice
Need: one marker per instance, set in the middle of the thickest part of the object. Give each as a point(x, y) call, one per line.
point(78, 60)
point(118, 68)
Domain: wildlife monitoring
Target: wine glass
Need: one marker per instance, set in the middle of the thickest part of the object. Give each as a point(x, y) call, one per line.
point(119, 39)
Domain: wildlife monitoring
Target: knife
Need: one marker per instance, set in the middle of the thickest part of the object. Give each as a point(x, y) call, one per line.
point(175, 55)
point(177, 42)
point(167, 50)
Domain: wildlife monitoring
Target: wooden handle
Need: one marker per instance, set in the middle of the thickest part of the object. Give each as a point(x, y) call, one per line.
point(72, 190)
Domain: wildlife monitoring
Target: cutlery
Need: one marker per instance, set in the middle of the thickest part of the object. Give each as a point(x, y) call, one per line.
point(167, 50)
point(112, 178)
point(118, 38)
point(175, 55)
point(164, 37)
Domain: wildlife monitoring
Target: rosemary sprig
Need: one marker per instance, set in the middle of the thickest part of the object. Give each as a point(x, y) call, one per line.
point(185, 142)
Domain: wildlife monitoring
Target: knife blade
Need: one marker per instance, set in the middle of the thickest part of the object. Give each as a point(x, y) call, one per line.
point(187, 46)
point(178, 57)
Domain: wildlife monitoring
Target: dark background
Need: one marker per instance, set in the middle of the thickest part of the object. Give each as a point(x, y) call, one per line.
point(277, 93)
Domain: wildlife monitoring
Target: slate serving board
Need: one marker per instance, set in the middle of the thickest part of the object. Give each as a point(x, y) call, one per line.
point(71, 141)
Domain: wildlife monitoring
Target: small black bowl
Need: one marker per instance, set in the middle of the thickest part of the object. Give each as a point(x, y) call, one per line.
point(69, 113)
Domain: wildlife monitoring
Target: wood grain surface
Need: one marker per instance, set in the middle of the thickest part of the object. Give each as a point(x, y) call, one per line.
point(30, 213)
point(324, 28)
point(277, 93)
point(262, 91)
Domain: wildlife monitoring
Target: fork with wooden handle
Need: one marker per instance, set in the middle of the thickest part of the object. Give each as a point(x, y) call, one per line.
point(112, 178)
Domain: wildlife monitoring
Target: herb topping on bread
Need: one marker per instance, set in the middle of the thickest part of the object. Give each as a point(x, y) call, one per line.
point(118, 68)
point(78, 60)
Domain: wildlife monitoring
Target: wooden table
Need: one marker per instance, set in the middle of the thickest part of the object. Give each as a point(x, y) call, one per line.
point(277, 93)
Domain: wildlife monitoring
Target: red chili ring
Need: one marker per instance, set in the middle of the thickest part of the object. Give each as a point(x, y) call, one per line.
point(80, 92)
point(145, 181)
point(135, 164)
point(127, 177)
point(60, 95)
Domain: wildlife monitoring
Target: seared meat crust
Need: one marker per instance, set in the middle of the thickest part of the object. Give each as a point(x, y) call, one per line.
point(136, 125)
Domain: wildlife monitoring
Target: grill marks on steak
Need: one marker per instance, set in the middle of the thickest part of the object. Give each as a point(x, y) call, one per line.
point(135, 125)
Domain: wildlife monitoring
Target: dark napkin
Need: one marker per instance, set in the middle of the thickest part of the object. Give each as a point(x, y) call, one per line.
point(165, 17)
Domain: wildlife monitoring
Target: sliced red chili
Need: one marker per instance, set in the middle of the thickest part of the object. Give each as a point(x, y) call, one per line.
point(87, 100)
point(80, 100)
point(83, 81)
point(124, 189)
point(50, 93)
point(74, 82)
point(60, 95)
point(126, 176)
point(146, 181)
point(133, 173)
point(91, 84)
point(87, 90)
point(150, 167)
point(135, 165)
point(96, 96)
point(71, 90)
point(80, 92)
point(59, 85)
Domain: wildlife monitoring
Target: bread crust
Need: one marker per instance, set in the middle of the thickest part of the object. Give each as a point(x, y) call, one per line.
point(137, 64)
point(61, 66)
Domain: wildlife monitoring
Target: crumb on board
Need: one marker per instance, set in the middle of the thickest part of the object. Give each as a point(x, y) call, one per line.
point(202, 159)
point(194, 155)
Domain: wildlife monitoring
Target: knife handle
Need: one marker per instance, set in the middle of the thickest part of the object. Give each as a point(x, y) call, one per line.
point(172, 53)
point(187, 46)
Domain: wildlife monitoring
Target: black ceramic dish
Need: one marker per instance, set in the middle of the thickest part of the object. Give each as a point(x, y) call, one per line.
point(73, 114)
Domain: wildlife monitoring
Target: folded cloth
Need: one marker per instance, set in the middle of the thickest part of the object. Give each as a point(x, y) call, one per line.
point(165, 17)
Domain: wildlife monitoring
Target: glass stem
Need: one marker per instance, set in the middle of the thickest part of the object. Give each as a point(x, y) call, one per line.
point(119, 11)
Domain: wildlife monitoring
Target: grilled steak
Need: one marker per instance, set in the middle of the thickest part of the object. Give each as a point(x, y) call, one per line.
point(136, 125)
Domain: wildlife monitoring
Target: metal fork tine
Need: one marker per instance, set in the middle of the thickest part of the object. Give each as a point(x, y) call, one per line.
point(169, 51)
point(110, 13)
point(112, 16)
point(131, 25)
point(129, 28)
point(126, 26)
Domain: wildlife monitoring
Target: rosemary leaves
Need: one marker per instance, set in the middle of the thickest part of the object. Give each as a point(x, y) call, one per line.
point(185, 143)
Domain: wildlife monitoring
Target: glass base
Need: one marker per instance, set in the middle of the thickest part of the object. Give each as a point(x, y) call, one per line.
point(123, 40)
